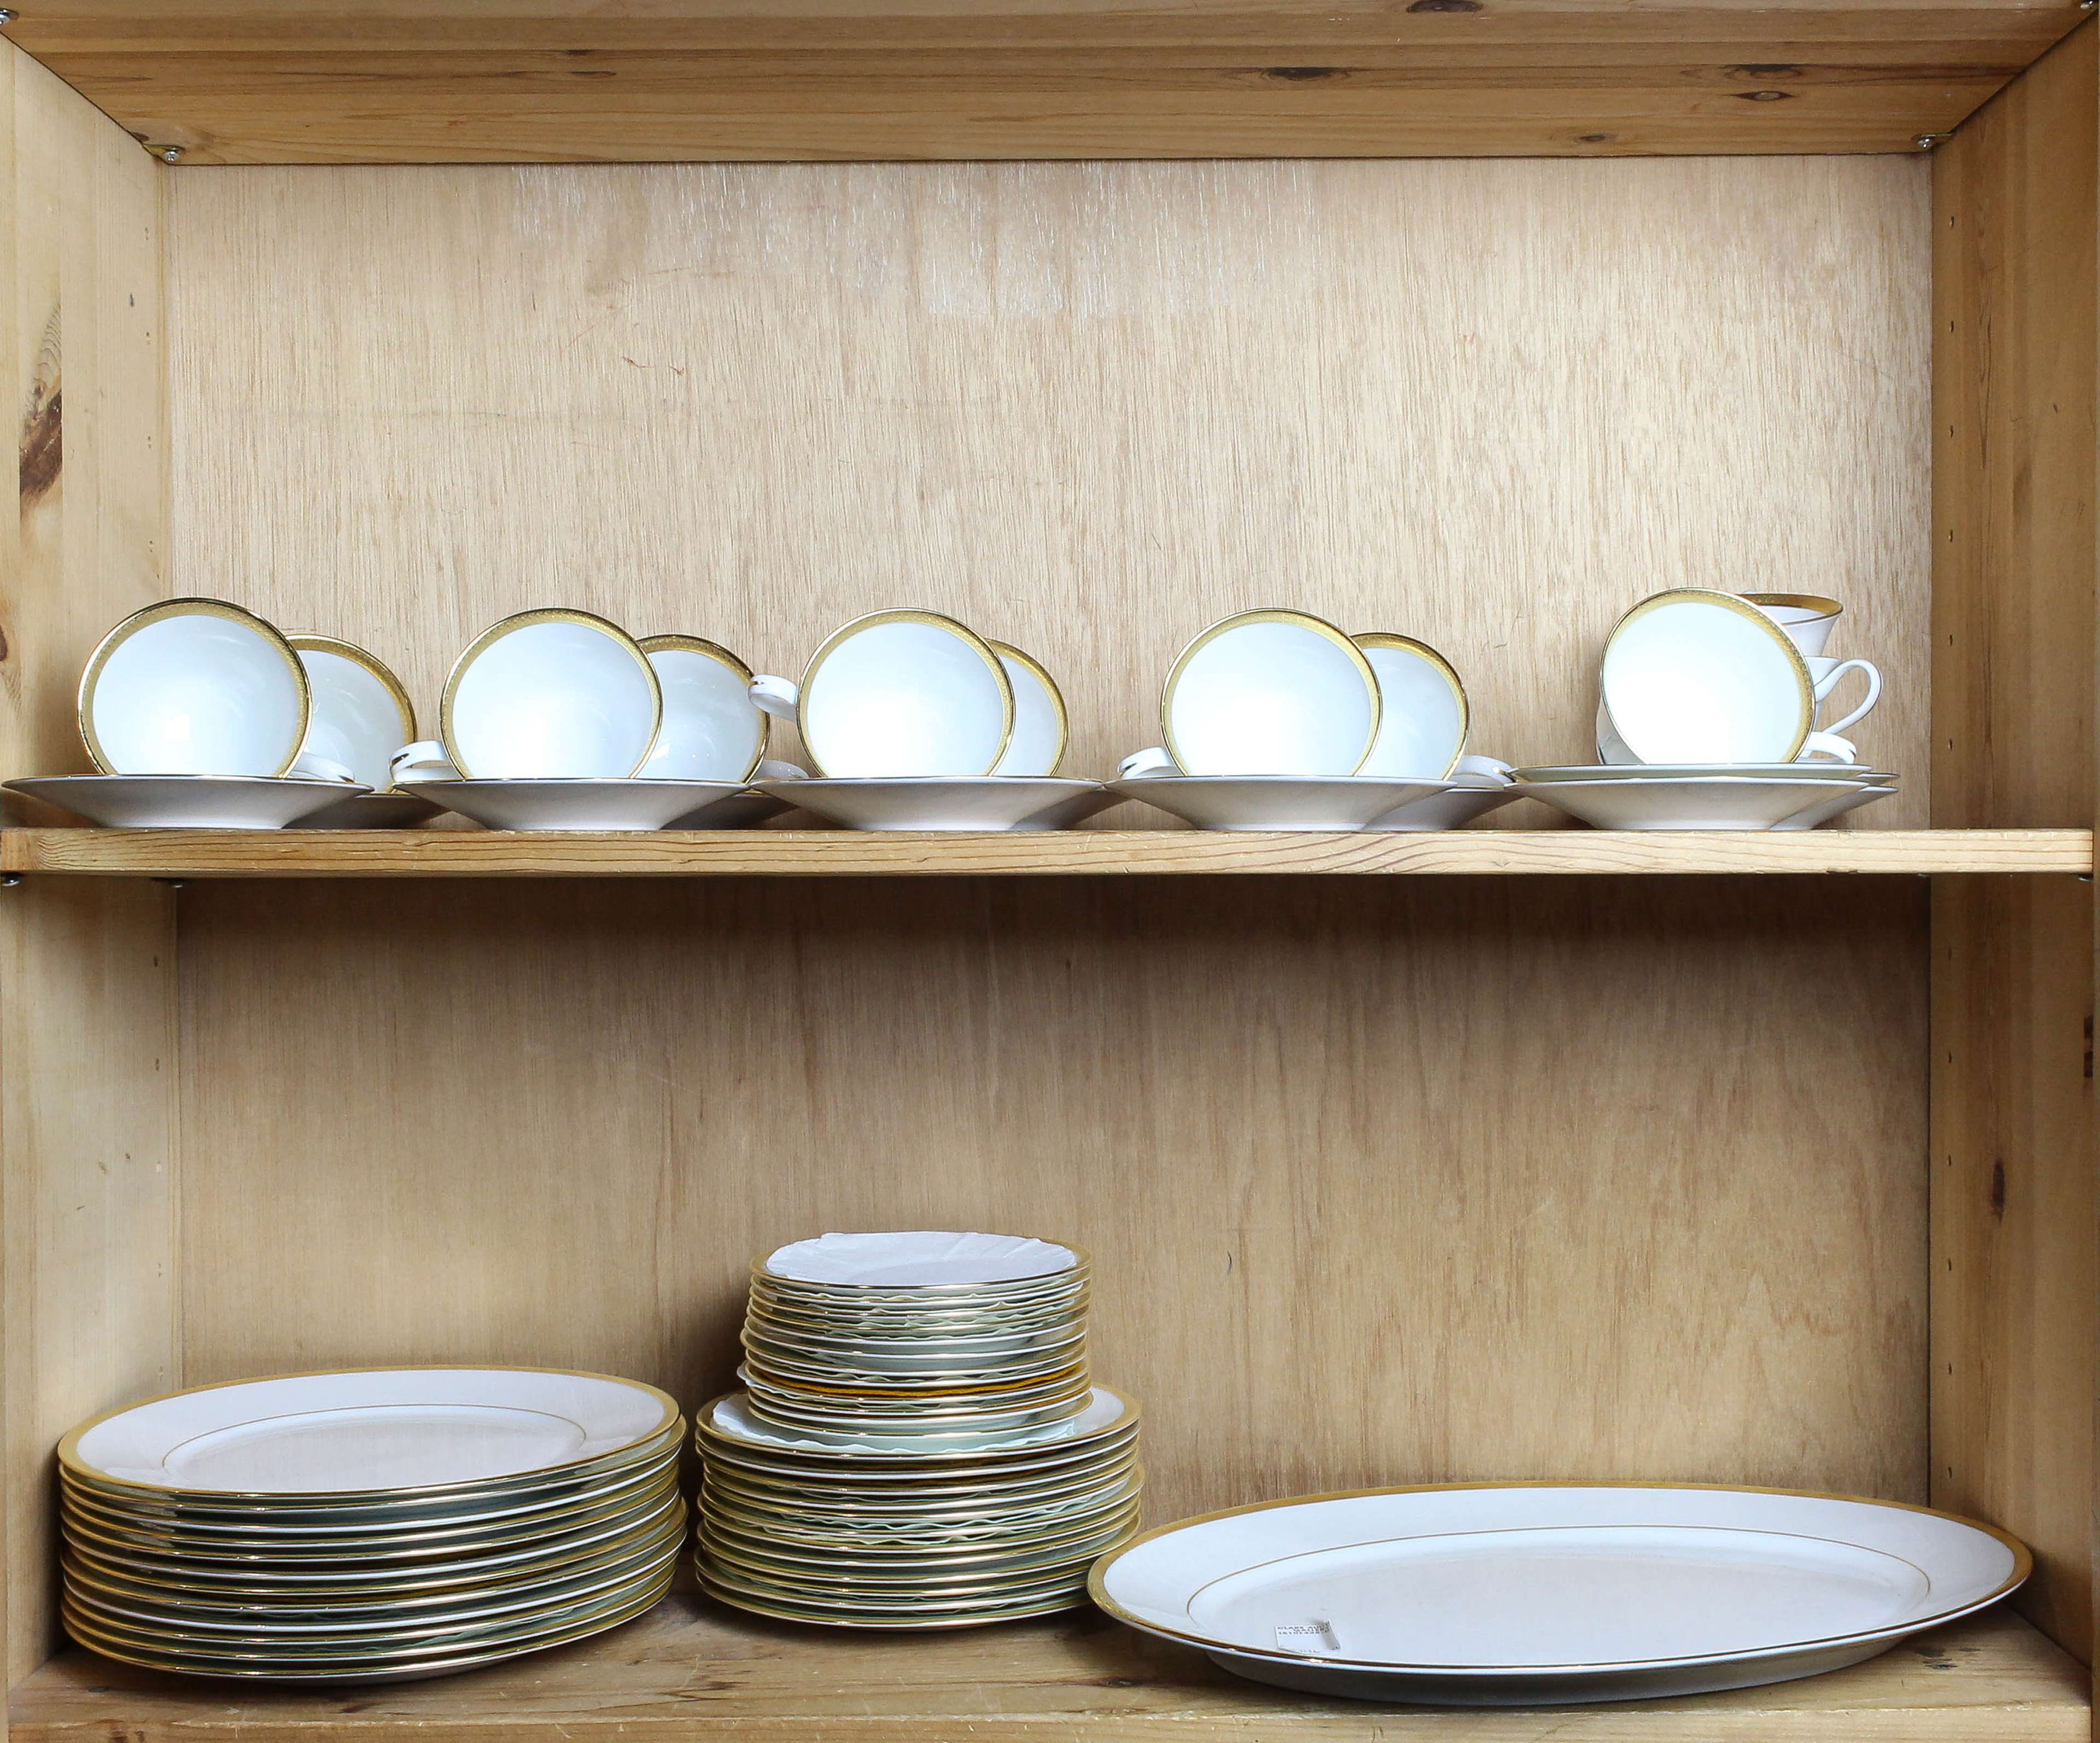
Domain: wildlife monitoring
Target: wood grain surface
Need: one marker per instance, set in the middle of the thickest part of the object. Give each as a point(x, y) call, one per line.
point(87, 1293)
point(1384, 1180)
point(694, 1670)
point(2016, 1250)
point(1092, 852)
point(445, 81)
point(1088, 407)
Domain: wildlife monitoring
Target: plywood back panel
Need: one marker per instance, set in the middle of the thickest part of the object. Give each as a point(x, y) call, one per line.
point(86, 969)
point(2016, 1252)
point(1385, 1180)
point(1089, 408)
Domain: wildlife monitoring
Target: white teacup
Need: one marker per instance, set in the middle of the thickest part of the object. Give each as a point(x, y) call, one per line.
point(1824, 673)
point(194, 687)
point(360, 710)
point(1271, 692)
point(551, 695)
point(1690, 676)
point(1806, 618)
point(899, 693)
point(713, 729)
point(1041, 729)
point(1424, 715)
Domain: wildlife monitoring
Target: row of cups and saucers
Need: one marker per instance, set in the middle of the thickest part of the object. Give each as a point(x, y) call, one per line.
point(199, 713)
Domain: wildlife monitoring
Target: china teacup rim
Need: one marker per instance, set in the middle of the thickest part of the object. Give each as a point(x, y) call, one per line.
point(544, 614)
point(1816, 602)
point(676, 641)
point(190, 605)
point(1271, 614)
point(1742, 607)
point(312, 642)
point(1008, 650)
point(1376, 638)
point(908, 614)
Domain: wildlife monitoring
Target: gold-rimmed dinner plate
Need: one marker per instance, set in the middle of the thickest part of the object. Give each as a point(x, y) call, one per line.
point(352, 1581)
point(816, 1502)
point(382, 1505)
point(414, 1433)
point(894, 1482)
point(174, 1600)
point(447, 1549)
point(943, 1263)
point(761, 1602)
point(266, 1531)
point(787, 1364)
point(911, 1566)
point(906, 1357)
point(364, 1628)
point(972, 1402)
point(995, 1596)
point(154, 1654)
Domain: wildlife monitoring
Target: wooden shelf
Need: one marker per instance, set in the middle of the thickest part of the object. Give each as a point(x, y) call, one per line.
point(691, 1669)
point(466, 81)
point(770, 852)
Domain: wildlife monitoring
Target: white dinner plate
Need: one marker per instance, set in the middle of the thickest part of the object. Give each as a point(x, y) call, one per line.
point(194, 687)
point(946, 803)
point(188, 801)
point(1703, 802)
point(730, 1419)
point(1277, 802)
point(1549, 1594)
point(551, 695)
point(629, 806)
point(400, 1429)
point(361, 715)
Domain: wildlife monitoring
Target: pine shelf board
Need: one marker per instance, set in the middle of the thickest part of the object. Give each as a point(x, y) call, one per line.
point(691, 1671)
point(469, 80)
point(780, 853)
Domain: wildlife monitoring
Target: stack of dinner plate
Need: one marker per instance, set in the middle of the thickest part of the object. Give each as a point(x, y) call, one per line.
point(372, 1525)
point(921, 1444)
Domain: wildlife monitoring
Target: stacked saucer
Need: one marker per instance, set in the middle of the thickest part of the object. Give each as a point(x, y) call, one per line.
point(921, 1444)
point(372, 1526)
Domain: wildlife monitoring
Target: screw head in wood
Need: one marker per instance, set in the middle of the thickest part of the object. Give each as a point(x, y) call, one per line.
point(1924, 142)
point(167, 153)
point(8, 15)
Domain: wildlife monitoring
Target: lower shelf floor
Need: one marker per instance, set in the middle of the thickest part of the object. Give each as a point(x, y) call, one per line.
point(691, 1670)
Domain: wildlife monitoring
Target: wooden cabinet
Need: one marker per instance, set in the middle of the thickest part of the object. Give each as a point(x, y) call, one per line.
point(1526, 1151)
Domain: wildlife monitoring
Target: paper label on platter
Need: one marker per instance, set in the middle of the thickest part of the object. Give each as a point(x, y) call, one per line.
point(1315, 1640)
point(903, 1258)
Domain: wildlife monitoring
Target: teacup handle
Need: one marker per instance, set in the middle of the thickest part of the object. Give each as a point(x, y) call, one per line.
point(1471, 769)
point(774, 769)
point(1157, 760)
point(777, 696)
point(425, 760)
point(1829, 682)
point(1827, 744)
point(313, 767)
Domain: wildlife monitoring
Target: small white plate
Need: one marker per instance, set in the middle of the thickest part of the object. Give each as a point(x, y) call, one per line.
point(551, 695)
point(946, 803)
point(1703, 802)
point(188, 801)
point(362, 1429)
point(374, 810)
point(1479, 1596)
point(361, 714)
point(1277, 802)
point(1271, 692)
point(633, 806)
point(194, 687)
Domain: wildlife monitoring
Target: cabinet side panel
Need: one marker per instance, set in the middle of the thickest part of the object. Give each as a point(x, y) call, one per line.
point(87, 969)
point(2017, 284)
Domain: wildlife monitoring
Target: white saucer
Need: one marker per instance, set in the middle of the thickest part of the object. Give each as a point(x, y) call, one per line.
point(187, 802)
point(589, 805)
point(1456, 805)
point(1819, 770)
point(1697, 802)
point(1277, 801)
point(735, 810)
point(1836, 806)
point(946, 803)
point(373, 810)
